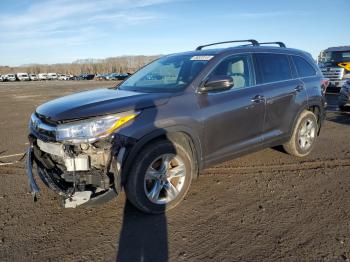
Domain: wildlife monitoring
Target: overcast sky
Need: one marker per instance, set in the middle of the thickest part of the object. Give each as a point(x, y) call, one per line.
point(56, 31)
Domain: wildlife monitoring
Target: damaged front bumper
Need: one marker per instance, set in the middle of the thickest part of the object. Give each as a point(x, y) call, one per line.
point(85, 177)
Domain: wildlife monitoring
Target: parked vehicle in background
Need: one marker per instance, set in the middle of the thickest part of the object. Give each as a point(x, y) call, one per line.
point(89, 77)
point(116, 76)
point(101, 76)
point(63, 77)
point(1, 79)
point(335, 65)
point(85, 77)
point(22, 77)
point(123, 76)
point(52, 76)
point(153, 133)
point(42, 76)
point(344, 96)
point(9, 77)
point(112, 76)
point(33, 77)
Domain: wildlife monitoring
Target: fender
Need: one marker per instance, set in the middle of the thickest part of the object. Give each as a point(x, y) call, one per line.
point(306, 107)
point(301, 109)
point(164, 131)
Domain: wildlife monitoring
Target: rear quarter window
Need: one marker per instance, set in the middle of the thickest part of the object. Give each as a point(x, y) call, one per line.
point(303, 67)
point(273, 67)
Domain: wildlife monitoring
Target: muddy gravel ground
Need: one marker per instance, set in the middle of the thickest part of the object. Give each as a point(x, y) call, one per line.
point(266, 206)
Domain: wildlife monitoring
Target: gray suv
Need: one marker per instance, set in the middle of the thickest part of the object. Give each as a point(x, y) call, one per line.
point(155, 131)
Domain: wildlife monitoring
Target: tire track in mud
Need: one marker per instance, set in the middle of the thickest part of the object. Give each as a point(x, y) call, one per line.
point(228, 168)
point(17, 168)
point(280, 168)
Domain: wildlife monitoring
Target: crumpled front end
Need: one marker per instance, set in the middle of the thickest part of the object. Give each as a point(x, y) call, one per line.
point(82, 174)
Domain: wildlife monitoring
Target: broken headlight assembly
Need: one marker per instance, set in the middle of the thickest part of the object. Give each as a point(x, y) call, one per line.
point(88, 131)
point(80, 165)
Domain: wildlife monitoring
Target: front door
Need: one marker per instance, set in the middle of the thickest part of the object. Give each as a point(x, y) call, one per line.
point(233, 119)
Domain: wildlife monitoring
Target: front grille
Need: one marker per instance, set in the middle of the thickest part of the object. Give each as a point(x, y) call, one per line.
point(333, 73)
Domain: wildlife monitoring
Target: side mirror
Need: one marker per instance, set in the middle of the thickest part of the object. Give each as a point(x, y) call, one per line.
point(216, 83)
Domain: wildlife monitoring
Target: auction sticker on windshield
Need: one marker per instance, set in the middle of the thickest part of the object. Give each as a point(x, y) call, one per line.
point(202, 57)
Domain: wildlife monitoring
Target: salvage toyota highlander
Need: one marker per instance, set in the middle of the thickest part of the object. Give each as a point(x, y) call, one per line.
point(154, 132)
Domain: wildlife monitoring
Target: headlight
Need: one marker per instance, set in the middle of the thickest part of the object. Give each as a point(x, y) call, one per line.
point(92, 129)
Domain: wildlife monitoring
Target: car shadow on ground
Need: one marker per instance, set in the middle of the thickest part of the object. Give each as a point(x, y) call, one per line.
point(341, 117)
point(143, 237)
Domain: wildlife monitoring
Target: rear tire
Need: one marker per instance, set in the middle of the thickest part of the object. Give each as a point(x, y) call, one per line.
point(160, 177)
point(304, 135)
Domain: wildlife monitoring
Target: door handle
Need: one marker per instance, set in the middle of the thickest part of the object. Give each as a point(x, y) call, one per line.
point(258, 99)
point(299, 88)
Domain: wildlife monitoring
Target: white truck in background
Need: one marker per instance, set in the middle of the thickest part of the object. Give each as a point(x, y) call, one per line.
point(334, 63)
point(52, 76)
point(42, 76)
point(9, 77)
point(22, 76)
point(33, 77)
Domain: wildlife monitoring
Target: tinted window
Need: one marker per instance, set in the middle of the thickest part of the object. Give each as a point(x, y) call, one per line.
point(238, 67)
point(274, 67)
point(303, 67)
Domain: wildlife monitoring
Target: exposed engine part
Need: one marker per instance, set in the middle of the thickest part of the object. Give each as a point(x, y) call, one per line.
point(82, 174)
point(75, 158)
point(95, 178)
point(77, 199)
point(78, 163)
point(51, 148)
point(84, 146)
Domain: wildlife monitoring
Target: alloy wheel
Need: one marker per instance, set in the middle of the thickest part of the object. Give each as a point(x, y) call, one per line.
point(164, 178)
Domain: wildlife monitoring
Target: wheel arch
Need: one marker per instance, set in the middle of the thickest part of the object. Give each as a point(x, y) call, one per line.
point(177, 134)
point(316, 109)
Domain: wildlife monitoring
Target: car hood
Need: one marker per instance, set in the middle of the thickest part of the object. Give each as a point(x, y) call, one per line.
point(99, 102)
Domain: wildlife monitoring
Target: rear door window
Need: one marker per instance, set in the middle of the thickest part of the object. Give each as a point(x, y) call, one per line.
point(303, 67)
point(273, 67)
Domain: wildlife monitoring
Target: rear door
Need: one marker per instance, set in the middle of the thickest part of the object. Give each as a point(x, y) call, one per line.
point(233, 119)
point(307, 73)
point(284, 93)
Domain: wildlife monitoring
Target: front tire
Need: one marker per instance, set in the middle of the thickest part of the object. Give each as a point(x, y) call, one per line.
point(160, 177)
point(304, 135)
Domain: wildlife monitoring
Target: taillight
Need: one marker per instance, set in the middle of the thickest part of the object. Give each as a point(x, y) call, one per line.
point(324, 84)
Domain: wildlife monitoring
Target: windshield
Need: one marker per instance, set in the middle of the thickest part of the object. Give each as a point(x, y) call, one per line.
point(168, 74)
point(336, 56)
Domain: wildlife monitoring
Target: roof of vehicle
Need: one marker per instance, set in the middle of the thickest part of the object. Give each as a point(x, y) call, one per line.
point(252, 45)
point(338, 48)
point(216, 51)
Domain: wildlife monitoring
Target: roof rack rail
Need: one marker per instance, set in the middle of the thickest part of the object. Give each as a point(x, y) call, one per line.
point(252, 41)
point(281, 44)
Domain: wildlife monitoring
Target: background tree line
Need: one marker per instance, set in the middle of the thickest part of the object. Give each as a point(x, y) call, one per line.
point(120, 64)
